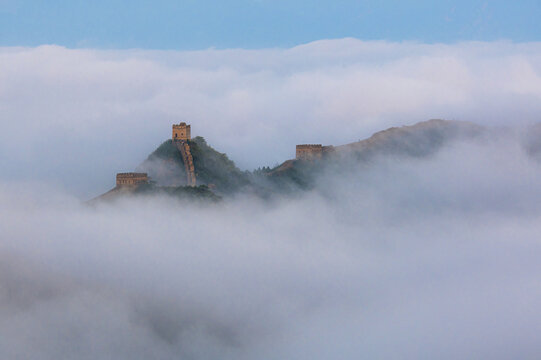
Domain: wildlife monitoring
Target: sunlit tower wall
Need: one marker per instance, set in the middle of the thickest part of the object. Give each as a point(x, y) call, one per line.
point(182, 131)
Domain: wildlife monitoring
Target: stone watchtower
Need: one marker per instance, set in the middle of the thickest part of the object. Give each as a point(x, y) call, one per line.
point(309, 151)
point(131, 179)
point(182, 132)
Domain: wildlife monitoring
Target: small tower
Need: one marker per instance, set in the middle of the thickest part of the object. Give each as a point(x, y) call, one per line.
point(309, 151)
point(131, 179)
point(182, 132)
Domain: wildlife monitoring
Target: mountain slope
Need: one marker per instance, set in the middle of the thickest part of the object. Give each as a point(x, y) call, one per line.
point(215, 168)
point(165, 166)
point(193, 193)
point(166, 169)
point(420, 140)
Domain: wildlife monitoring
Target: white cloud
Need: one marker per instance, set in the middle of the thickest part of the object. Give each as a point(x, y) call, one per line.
point(427, 258)
point(434, 258)
point(78, 116)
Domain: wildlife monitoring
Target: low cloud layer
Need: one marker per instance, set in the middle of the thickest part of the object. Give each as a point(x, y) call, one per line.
point(76, 117)
point(412, 259)
point(425, 258)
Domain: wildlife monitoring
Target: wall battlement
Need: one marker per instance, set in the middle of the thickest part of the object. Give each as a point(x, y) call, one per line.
point(312, 151)
point(182, 131)
point(131, 179)
point(309, 151)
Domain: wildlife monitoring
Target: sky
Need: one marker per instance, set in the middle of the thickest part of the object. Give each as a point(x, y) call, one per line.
point(202, 24)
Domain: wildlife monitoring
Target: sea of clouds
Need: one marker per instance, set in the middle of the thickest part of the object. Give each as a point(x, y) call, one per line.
point(425, 258)
point(75, 117)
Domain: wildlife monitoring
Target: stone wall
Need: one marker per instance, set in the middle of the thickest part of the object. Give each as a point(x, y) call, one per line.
point(308, 151)
point(182, 133)
point(131, 179)
point(187, 159)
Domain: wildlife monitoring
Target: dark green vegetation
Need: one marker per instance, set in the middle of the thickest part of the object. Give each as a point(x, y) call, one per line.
point(212, 168)
point(166, 151)
point(201, 192)
point(164, 165)
point(215, 168)
point(292, 175)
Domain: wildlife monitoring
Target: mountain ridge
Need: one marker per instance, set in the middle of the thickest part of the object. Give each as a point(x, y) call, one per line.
point(218, 176)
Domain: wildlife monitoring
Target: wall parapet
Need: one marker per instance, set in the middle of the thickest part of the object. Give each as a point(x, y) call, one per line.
point(308, 151)
point(187, 159)
point(131, 179)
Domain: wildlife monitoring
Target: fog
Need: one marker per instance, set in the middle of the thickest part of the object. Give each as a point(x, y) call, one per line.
point(434, 257)
point(74, 117)
point(403, 259)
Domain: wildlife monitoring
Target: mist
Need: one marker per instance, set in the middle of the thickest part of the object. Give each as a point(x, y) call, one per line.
point(395, 258)
point(410, 258)
point(72, 118)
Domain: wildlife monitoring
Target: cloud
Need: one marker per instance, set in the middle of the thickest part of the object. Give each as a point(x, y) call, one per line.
point(434, 257)
point(75, 117)
point(422, 258)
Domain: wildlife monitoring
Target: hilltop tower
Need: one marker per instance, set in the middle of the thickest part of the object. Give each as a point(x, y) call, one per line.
point(182, 131)
point(309, 151)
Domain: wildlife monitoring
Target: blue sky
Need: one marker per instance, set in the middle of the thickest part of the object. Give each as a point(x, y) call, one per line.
point(200, 24)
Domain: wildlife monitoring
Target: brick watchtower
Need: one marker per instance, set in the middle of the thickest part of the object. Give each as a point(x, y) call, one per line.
point(309, 151)
point(131, 179)
point(182, 131)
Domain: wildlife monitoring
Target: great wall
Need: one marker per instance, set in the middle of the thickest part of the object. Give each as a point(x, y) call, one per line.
point(182, 134)
point(311, 151)
point(131, 179)
point(218, 175)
